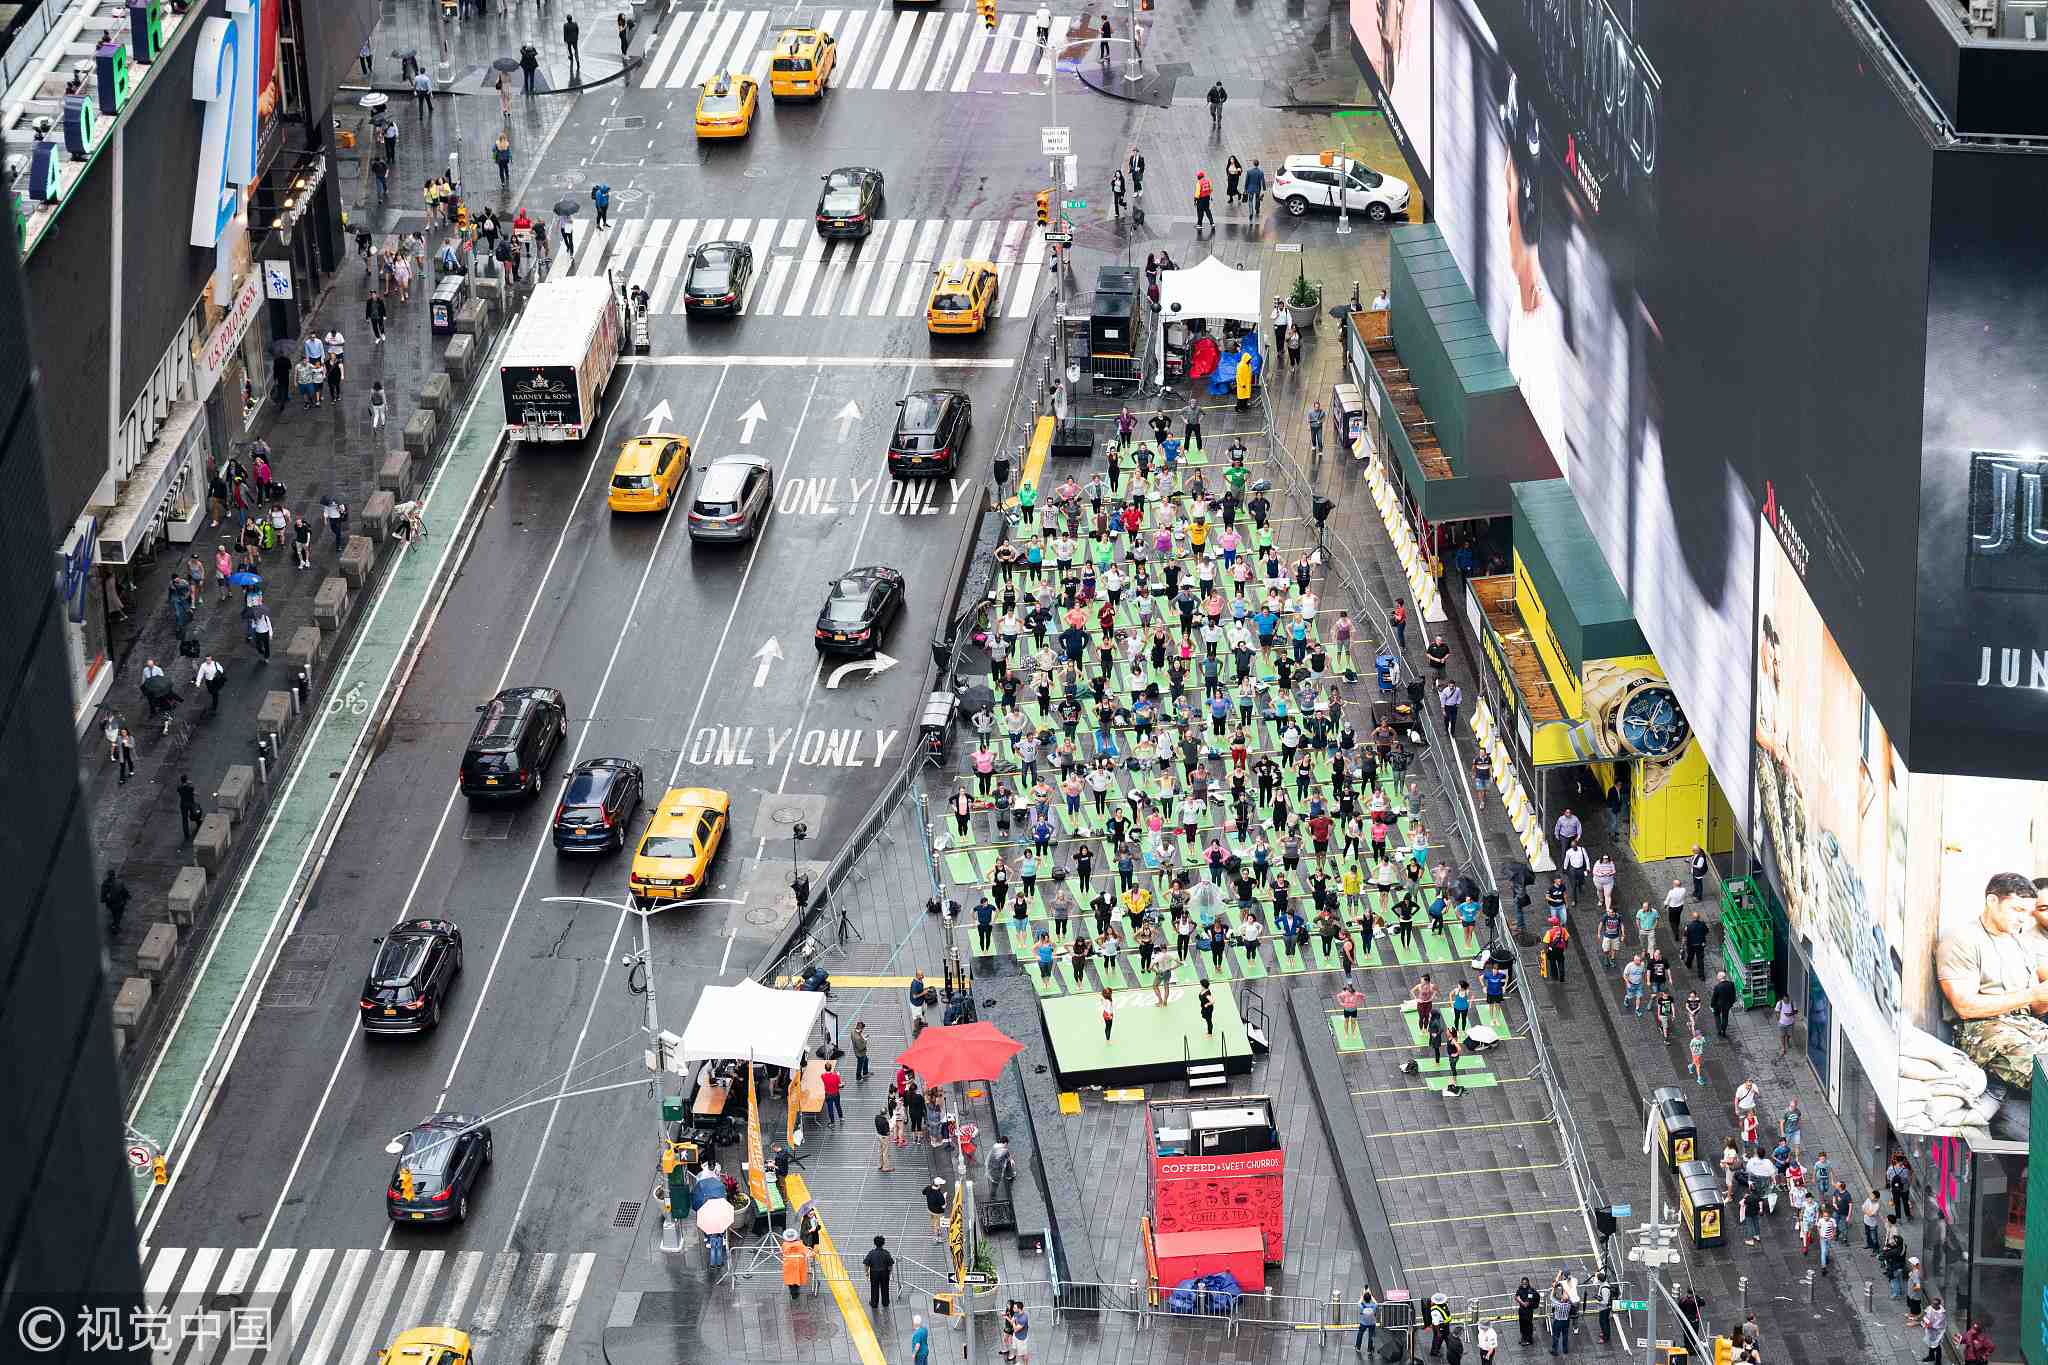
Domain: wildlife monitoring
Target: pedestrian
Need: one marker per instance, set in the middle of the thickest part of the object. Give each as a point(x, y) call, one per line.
point(1254, 190)
point(1108, 1013)
point(1233, 173)
point(377, 403)
point(1368, 1322)
point(860, 1052)
point(529, 64)
point(1976, 1344)
point(1603, 882)
point(1203, 190)
point(935, 1205)
point(1695, 941)
point(571, 32)
point(363, 56)
point(1696, 1053)
point(1106, 33)
point(1438, 1316)
point(1216, 97)
point(626, 27)
point(374, 312)
point(337, 362)
point(1135, 164)
point(212, 676)
point(1488, 1340)
point(880, 1263)
point(501, 152)
point(796, 1263)
point(1116, 192)
point(423, 95)
point(1698, 867)
point(181, 601)
point(831, 1082)
point(1674, 909)
point(380, 172)
point(1278, 318)
point(114, 896)
point(391, 141)
point(884, 1131)
point(1560, 1321)
point(1041, 23)
point(920, 1341)
point(1916, 1289)
point(1191, 425)
point(190, 813)
point(1205, 1002)
point(565, 228)
point(601, 199)
point(1577, 865)
point(124, 754)
point(1934, 1324)
point(1782, 1014)
point(1316, 418)
point(1526, 1300)
point(1400, 619)
point(504, 98)
point(259, 632)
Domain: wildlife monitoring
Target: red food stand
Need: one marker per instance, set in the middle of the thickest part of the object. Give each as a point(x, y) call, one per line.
point(1216, 1165)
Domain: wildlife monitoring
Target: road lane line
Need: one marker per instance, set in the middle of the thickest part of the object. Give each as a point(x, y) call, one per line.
point(650, 254)
point(163, 1273)
point(658, 68)
point(985, 242)
point(999, 46)
point(849, 35)
point(898, 46)
point(565, 1308)
point(671, 264)
point(338, 1303)
point(285, 1316)
point(748, 48)
point(762, 298)
point(679, 75)
point(860, 1329)
point(376, 1302)
point(413, 1308)
point(957, 28)
point(970, 61)
point(1027, 49)
point(929, 27)
point(713, 59)
point(1060, 24)
point(198, 1274)
point(467, 1264)
point(233, 1281)
point(494, 1291)
point(440, 825)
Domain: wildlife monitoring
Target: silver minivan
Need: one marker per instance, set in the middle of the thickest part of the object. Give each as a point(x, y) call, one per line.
point(732, 499)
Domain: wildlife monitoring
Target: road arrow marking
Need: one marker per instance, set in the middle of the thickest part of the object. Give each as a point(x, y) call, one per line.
point(659, 416)
point(750, 419)
point(767, 654)
point(881, 663)
point(846, 417)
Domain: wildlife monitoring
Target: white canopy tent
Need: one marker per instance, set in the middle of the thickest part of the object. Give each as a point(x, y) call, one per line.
point(1208, 289)
point(751, 1021)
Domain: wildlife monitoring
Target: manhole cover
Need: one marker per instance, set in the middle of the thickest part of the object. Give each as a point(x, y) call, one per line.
point(763, 914)
point(788, 815)
point(487, 826)
point(754, 173)
point(628, 1214)
point(314, 949)
point(294, 988)
point(625, 121)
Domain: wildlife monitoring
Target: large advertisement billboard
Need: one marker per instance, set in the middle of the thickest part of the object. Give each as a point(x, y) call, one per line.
point(1652, 211)
point(1913, 896)
point(1395, 36)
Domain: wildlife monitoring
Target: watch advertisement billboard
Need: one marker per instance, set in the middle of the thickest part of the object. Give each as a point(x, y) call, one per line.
point(1395, 36)
point(1913, 896)
point(1661, 253)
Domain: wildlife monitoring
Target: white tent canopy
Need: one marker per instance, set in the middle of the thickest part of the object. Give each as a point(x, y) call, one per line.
point(1210, 290)
point(751, 1021)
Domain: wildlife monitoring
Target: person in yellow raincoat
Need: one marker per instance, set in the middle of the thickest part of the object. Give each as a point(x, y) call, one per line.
point(796, 1263)
point(1244, 381)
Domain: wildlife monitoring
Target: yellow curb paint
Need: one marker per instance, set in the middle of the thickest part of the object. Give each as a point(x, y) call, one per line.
point(858, 1328)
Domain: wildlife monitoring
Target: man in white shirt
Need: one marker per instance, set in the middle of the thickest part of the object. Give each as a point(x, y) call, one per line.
point(1674, 907)
point(1379, 303)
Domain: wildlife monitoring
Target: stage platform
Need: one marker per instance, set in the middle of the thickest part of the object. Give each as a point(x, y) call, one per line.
point(1150, 1043)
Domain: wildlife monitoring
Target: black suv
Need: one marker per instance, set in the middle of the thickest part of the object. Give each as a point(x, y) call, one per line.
point(597, 805)
point(416, 963)
point(518, 733)
point(439, 1164)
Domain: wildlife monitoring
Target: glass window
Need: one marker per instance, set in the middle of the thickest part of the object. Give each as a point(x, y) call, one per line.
point(726, 102)
point(668, 846)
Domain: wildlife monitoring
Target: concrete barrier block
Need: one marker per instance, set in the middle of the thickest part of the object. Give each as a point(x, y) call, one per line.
point(460, 358)
point(305, 649)
point(419, 434)
point(158, 951)
point(274, 716)
point(356, 558)
point(188, 894)
point(330, 604)
point(489, 289)
point(437, 396)
point(131, 1002)
point(231, 797)
point(375, 518)
point(473, 319)
point(395, 474)
point(210, 844)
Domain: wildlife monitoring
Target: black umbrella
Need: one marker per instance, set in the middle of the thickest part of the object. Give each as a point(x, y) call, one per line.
point(406, 54)
point(567, 206)
point(284, 346)
point(1515, 872)
point(976, 697)
point(505, 64)
point(156, 687)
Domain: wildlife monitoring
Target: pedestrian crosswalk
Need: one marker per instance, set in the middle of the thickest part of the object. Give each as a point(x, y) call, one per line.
point(878, 50)
point(323, 1306)
point(798, 274)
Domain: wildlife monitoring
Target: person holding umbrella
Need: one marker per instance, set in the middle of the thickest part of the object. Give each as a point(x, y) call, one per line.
point(565, 220)
point(714, 1220)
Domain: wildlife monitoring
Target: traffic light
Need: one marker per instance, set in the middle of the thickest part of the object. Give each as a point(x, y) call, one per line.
point(160, 1171)
point(1724, 1351)
point(987, 10)
point(405, 1185)
point(1045, 208)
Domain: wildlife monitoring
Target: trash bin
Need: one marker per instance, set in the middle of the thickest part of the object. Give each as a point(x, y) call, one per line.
point(1347, 415)
point(449, 295)
point(1700, 1206)
point(1677, 1134)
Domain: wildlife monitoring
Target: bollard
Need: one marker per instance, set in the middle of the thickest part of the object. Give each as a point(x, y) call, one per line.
point(1139, 1301)
point(298, 691)
point(1811, 1281)
point(263, 759)
point(1869, 1296)
point(1742, 1288)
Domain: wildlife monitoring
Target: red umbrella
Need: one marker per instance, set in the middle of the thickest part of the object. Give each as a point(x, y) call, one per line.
point(947, 1053)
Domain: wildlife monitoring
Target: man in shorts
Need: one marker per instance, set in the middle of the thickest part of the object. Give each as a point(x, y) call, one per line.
point(1611, 928)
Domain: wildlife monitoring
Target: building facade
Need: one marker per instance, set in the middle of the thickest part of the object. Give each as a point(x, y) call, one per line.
point(170, 239)
point(1767, 286)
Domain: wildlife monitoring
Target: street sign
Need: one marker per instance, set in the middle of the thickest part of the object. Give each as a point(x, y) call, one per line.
point(1059, 239)
point(1073, 204)
point(1621, 1210)
point(975, 1278)
point(1072, 179)
point(1633, 1305)
point(1055, 141)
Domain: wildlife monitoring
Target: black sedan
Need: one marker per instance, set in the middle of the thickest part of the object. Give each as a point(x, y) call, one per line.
point(717, 282)
point(850, 202)
point(415, 967)
point(931, 427)
point(858, 609)
point(597, 805)
point(440, 1163)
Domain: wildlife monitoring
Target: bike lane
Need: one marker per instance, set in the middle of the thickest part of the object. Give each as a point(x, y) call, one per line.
point(327, 766)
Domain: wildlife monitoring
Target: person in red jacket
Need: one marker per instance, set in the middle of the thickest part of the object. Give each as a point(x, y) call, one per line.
point(831, 1080)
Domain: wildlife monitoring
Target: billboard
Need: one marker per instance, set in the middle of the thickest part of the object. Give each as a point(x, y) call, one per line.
point(1664, 254)
point(1395, 36)
point(1913, 896)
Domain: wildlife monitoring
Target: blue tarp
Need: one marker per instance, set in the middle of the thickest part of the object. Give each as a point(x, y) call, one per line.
point(1224, 380)
point(1216, 1294)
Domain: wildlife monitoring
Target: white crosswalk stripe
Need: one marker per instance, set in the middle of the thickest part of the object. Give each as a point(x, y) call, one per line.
point(337, 1307)
point(908, 51)
point(798, 274)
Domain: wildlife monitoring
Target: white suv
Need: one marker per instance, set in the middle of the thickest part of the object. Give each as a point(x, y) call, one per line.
point(1313, 182)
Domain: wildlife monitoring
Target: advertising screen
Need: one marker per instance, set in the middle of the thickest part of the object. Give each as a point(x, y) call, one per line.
point(1914, 896)
point(1396, 38)
point(1697, 294)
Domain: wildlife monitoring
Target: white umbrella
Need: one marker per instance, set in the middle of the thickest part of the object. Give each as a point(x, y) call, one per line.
point(714, 1217)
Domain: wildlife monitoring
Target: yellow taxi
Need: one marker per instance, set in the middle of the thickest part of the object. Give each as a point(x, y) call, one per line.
point(649, 471)
point(725, 105)
point(963, 297)
point(428, 1346)
point(802, 65)
point(673, 861)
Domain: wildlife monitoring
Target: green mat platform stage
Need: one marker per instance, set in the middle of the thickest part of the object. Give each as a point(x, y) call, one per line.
point(1149, 1043)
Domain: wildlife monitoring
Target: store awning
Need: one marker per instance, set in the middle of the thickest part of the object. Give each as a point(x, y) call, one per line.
point(144, 492)
point(751, 1022)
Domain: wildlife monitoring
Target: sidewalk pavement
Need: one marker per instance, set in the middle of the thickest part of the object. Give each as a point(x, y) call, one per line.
point(319, 452)
point(1275, 55)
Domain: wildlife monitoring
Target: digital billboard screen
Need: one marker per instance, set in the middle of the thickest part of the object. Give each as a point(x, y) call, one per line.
point(1395, 36)
point(1656, 216)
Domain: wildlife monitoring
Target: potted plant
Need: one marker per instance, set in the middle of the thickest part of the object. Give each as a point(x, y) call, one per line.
point(1304, 300)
